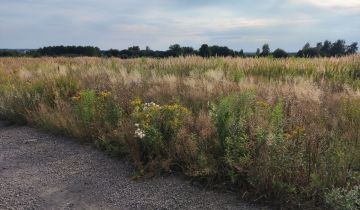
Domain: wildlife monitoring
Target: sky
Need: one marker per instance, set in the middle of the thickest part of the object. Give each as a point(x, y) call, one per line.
point(118, 24)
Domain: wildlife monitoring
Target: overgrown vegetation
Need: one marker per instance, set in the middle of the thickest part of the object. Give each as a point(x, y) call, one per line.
point(284, 131)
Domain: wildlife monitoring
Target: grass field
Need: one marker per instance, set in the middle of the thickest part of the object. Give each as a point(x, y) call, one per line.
point(285, 131)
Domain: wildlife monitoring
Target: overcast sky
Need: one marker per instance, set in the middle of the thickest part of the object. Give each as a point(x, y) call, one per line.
point(239, 24)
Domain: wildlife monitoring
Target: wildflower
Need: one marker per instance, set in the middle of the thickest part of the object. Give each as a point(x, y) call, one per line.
point(150, 105)
point(136, 102)
point(262, 104)
point(139, 133)
point(299, 130)
point(105, 94)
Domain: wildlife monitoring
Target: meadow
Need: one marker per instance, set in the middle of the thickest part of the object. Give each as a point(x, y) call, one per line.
point(284, 131)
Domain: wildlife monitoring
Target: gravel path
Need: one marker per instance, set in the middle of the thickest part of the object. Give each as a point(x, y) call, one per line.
point(43, 171)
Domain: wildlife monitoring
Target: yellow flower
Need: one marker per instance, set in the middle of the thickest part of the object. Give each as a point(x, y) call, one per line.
point(262, 104)
point(136, 102)
point(105, 94)
point(299, 130)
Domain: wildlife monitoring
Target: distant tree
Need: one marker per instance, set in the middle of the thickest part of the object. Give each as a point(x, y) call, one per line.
point(306, 46)
point(265, 50)
point(9, 53)
point(311, 52)
point(257, 52)
point(326, 48)
point(352, 49)
point(131, 52)
point(338, 48)
point(300, 54)
point(319, 46)
point(175, 50)
point(205, 51)
point(69, 51)
point(188, 51)
point(221, 51)
point(112, 53)
point(241, 53)
point(127, 54)
point(134, 48)
point(280, 53)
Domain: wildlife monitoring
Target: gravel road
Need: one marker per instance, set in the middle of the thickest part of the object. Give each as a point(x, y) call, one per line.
point(39, 170)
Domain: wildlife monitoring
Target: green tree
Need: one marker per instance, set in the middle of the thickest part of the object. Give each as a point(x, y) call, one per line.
point(280, 53)
point(265, 50)
point(205, 51)
point(338, 48)
point(134, 48)
point(188, 51)
point(306, 46)
point(241, 53)
point(325, 50)
point(175, 50)
point(221, 51)
point(352, 49)
point(257, 52)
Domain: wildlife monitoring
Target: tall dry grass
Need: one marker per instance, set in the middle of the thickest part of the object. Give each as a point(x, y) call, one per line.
point(285, 131)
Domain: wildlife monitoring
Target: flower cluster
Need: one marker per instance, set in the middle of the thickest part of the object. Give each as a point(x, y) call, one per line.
point(150, 105)
point(105, 94)
point(139, 132)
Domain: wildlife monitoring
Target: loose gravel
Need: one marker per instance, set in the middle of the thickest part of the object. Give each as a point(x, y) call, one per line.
point(39, 170)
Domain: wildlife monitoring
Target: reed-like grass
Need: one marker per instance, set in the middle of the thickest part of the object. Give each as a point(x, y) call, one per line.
point(285, 131)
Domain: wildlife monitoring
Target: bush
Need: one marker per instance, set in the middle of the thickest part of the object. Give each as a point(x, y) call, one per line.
point(196, 148)
point(231, 117)
point(156, 129)
point(257, 150)
point(98, 114)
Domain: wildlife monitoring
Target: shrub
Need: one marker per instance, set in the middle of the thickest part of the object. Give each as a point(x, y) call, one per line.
point(196, 148)
point(156, 128)
point(231, 117)
point(258, 151)
point(97, 113)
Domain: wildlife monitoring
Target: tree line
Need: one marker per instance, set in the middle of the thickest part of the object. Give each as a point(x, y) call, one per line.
point(322, 49)
point(328, 49)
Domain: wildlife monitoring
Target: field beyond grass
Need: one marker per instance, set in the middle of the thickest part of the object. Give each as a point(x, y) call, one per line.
point(282, 131)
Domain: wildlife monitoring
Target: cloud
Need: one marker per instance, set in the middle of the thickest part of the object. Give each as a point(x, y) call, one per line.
point(336, 4)
point(214, 19)
point(158, 23)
